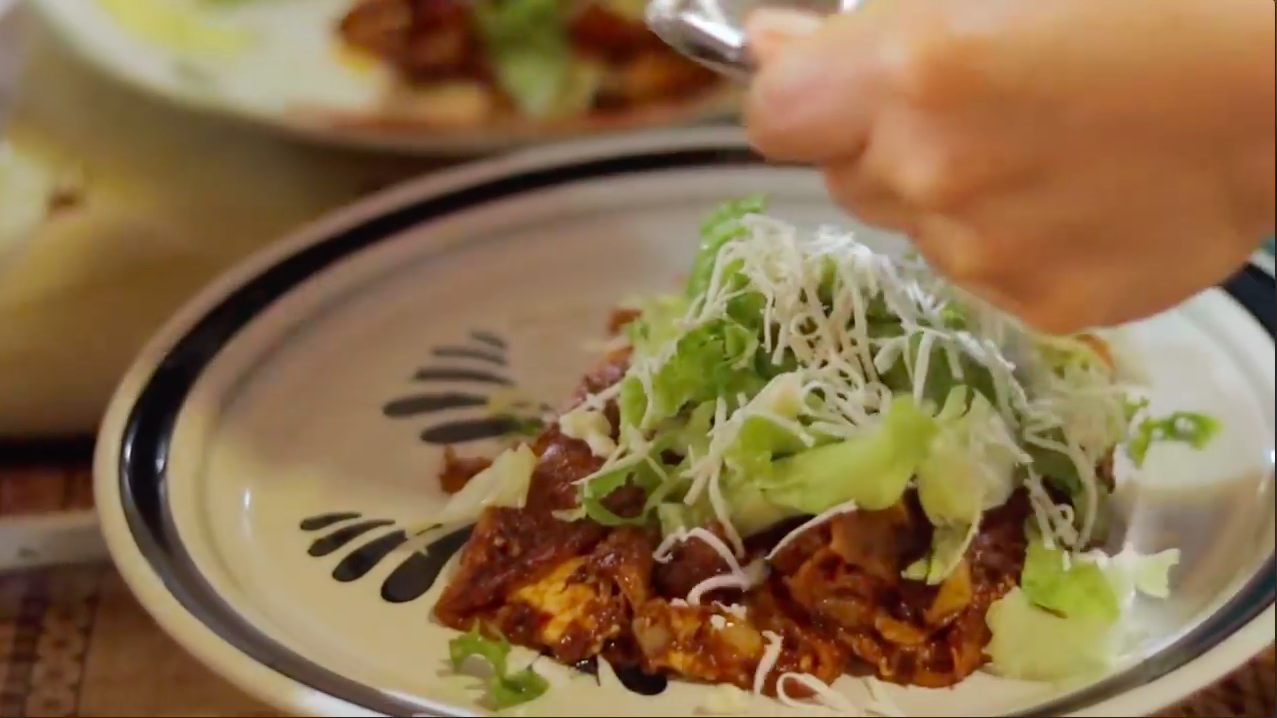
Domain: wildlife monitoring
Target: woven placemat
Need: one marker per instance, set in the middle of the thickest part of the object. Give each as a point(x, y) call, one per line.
point(74, 642)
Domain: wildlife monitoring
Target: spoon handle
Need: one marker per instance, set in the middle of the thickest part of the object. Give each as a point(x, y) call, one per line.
point(712, 33)
point(700, 30)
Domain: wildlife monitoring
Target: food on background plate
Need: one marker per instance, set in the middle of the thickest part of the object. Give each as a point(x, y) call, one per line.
point(535, 60)
point(813, 460)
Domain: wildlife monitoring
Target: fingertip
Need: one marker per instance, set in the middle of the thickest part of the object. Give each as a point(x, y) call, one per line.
point(783, 105)
point(805, 103)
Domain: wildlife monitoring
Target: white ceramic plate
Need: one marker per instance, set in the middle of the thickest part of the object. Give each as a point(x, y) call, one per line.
point(277, 63)
point(306, 383)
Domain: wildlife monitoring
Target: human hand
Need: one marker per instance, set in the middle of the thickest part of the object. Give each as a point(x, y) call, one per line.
point(1079, 163)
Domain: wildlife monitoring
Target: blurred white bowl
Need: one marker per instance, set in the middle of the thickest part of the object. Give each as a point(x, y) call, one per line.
point(147, 204)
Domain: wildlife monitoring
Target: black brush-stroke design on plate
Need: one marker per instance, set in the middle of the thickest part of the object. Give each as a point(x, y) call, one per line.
point(417, 571)
point(630, 676)
point(460, 382)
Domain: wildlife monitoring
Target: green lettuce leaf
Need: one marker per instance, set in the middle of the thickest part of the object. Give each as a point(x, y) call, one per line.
point(946, 545)
point(631, 402)
point(955, 484)
point(504, 483)
point(1035, 645)
point(760, 438)
point(1064, 619)
point(751, 509)
point(476, 644)
point(1186, 427)
point(637, 469)
point(873, 470)
point(505, 689)
point(687, 434)
point(711, 361)
point(517, 688)
point(750, 454)
point(656, 323)
point(1055, 466)
point(941, 379)
point(1068, 586)
point(674, 517)
point(720, 227)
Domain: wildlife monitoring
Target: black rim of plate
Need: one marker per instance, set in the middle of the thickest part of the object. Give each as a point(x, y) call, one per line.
point(149, 426)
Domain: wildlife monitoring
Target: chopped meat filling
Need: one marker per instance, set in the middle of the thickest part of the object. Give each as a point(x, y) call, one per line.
point(835, 598)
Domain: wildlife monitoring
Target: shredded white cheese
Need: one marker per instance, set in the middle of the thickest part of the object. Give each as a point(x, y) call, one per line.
point(666, 547)
point(824, 695)
point(735, 577)
point(771, 654)
point(824, 516)
point(752, 575)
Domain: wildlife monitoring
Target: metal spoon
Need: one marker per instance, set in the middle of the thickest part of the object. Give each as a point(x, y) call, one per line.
point(713, 34)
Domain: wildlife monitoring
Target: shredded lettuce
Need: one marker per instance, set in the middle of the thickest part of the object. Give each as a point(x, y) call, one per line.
point(752, 509)
point(941, 379)
point(761, 438)
point(963, 474)
point(687, 434)
point(1056, 466)
point(873, 470)
point(1066, 585)
point(1032, 644)
point(947, 543)
point(1151, 576)
point(504, 483)
point(712, 361)
point(1064, 619)
point(720, 227)
point(673, 518)
point(505, 689)
point(1093, 584)
point(592, 491)
point(656, 323)
point(1186, 427)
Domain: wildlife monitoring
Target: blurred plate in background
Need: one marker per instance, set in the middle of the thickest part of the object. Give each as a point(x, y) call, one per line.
point(136, 204)
point(283, 63)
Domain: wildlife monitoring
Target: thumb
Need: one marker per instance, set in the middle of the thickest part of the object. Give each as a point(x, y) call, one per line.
point(812, 98)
